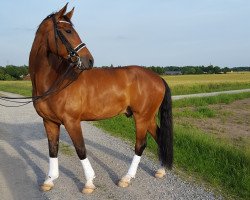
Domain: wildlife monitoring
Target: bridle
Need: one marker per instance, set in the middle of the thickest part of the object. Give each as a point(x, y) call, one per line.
point(74, 60)
point(73, 56)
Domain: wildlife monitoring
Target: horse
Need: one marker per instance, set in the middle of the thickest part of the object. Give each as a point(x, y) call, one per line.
point(67, 89)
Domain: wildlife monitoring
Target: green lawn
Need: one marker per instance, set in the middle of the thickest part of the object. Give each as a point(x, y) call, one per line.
point(18, 87)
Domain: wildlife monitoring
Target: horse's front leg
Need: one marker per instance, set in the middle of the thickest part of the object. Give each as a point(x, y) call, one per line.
point(74, 129)
point(52, 129)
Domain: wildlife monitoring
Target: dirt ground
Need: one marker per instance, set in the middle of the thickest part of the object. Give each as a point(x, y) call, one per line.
point(231, 122)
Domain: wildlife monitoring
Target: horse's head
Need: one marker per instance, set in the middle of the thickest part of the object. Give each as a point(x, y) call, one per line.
point(64, 41)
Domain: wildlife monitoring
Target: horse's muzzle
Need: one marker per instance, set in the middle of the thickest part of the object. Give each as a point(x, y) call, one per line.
point(87, 63)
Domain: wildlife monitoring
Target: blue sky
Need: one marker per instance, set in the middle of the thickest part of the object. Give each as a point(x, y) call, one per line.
point(142, 32)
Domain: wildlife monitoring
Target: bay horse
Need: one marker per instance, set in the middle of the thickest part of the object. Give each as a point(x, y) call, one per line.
point(70, 90)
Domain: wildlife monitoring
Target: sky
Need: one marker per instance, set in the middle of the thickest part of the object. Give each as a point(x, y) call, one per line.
point(141, 32)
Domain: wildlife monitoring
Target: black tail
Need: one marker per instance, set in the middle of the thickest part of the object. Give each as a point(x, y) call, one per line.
point(165, 132)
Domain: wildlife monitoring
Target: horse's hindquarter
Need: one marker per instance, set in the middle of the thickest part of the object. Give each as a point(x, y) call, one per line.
point(147, 91)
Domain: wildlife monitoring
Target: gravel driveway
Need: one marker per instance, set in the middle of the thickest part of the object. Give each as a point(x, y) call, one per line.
point(24, 163)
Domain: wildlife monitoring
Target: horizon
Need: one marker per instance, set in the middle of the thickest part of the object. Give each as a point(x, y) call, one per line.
point(111, 65)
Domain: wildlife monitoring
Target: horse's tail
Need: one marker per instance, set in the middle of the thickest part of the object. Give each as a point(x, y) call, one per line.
point(165, 132)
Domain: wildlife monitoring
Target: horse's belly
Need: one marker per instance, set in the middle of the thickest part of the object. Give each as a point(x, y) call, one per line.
point(104, 111)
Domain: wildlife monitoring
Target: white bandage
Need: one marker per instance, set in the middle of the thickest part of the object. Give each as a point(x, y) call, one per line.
point(134, 165)
point(88, 170)
point(53, 170)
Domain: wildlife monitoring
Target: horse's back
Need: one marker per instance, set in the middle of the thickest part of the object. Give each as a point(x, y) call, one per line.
point(126, 73)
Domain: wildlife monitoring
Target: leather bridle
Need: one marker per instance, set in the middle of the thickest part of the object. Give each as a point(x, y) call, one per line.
point(73, 56)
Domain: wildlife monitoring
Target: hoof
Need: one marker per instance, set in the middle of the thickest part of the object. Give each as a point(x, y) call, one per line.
point(160, 173)
point(88, 190)
point(123, 183)
point(46, 187)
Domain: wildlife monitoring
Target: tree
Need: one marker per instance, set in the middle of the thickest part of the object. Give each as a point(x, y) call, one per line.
point(217, 70)
point(2, 73)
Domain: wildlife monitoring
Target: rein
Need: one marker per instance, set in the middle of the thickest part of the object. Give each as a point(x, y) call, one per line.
point(73, 55)
point(52, 90)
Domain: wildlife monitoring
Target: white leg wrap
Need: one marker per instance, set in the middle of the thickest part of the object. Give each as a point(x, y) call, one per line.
point(88, 170)
point(53, 170)
point(134, 165)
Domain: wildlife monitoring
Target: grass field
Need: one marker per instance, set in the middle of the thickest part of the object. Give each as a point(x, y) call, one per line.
point(18, 87)
point(191, 84)
point(208, 78)
point(216, 160)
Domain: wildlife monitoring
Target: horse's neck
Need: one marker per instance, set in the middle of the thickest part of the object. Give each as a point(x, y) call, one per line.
point(42, 67)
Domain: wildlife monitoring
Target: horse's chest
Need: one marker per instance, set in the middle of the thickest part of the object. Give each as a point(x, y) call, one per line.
point(46, 111)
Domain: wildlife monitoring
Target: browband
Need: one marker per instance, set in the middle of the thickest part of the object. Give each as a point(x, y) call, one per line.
point(61, 21)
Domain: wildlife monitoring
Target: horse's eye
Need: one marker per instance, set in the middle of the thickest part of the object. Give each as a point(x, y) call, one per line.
point(68, 31)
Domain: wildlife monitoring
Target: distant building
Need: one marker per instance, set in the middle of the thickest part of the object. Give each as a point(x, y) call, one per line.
point(27, 78)
point(173, 73)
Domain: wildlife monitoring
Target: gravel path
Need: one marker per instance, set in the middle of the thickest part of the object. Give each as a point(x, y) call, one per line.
point(209, 94)
point(24, 163)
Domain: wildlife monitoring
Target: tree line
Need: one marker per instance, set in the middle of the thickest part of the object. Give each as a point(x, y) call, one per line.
point(11, 72)
point(197, 69)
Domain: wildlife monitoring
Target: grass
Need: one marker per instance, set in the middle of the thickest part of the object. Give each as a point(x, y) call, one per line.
point(18, 87)
point(204, 101)
point(198, 154)
point(218, 163)
point(205, 88)
point(66, 149)
point(208, 78)
point(191, 84)
point(198, 112)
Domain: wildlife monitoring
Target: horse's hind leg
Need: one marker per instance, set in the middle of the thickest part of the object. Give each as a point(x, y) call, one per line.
point(152, 129)
point(74, 129)
point(141, 130)
point(52, 130)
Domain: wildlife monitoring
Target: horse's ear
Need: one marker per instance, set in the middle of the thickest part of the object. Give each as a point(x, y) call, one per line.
point(70, 14)
point(61, 12)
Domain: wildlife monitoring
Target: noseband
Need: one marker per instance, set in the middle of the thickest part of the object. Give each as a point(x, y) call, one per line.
point(73, 56)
